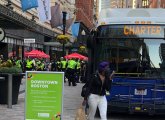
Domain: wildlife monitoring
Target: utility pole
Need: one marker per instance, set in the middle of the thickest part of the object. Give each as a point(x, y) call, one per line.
point(64, 26)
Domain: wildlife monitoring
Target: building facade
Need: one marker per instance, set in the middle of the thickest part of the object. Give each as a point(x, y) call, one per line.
point(131, 4)
point(105, 4)
point(157, 3)
point(19, 25)
point(84, 12)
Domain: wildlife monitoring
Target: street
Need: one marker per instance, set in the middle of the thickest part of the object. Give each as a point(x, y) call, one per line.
point(72, 101)
point(134, 117)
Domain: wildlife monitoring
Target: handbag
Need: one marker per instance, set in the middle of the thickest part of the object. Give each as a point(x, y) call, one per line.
point(80, 114)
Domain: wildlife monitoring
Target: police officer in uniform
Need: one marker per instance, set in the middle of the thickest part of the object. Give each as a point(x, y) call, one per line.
point(29, 64)
point(18, 63)
point(38, 65)
point(58, 63)
point(63, 66)
point(71, 69)
point(78, 68)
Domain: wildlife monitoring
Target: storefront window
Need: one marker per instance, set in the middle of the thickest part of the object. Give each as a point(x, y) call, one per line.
point(11, 50)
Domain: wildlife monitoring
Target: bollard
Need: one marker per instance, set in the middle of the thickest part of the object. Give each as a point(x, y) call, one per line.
point(10, 81)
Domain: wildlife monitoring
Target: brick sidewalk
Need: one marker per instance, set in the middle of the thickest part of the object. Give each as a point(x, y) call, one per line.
point(72, 100)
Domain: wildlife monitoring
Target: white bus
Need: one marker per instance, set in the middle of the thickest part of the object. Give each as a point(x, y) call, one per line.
point(133, 42)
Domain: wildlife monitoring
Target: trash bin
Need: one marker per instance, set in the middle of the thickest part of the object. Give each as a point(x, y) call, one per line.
point(15, 88)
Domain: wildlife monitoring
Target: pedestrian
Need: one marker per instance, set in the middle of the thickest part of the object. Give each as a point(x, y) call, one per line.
point(63, 66)
point(58, 63)
point(18, 63)
point(29, 64)
point(78, 68)
point(71, 70)
point(53, 65)
point(97, 87)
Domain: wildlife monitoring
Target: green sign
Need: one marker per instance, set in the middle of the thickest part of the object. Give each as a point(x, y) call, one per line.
point(44, 95)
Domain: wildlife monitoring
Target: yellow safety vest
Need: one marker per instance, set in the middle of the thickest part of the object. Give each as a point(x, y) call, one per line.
point(29, 64)
point(78, 65)
point(71, 64)
point(63, 64)
point(18, 63)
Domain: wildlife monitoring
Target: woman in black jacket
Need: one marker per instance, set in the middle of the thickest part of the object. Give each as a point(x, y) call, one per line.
point(96, 91)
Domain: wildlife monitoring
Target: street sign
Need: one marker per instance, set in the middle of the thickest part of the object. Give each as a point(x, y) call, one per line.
point(2, 34)
point(29, 40)
point(44, 95)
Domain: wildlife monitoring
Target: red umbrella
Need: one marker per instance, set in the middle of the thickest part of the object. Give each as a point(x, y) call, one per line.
point(45, 55)
point(76, 55)
point(37, 54)
point(33, 53)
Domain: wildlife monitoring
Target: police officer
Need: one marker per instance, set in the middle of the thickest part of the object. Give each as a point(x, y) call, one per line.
point(71, 69)
point(58, 63)
point(29, 64)
point(18, 63)
point(78, 68)
point(53, 65)
point(42, 66)
point(10, 60)
point(1, 59)
point(38, 65)
point(63, 66)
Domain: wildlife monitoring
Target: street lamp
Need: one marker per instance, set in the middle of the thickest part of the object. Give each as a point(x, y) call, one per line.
point(64, 26)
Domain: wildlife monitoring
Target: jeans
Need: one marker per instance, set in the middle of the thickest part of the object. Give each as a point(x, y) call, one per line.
point(95, 101)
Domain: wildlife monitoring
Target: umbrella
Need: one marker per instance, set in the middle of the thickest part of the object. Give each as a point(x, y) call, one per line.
point(37, 54)
point(45, 55)
point(33, 53)
point(76, 55)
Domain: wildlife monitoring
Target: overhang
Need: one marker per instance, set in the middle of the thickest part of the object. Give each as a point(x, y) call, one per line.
point(8, 16)
point(57, 44)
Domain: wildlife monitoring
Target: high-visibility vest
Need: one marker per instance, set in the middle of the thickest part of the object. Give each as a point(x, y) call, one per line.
point(38, 64)
point(42, 66)
point(0, 61)
point(72, 64)
point(78, 65)
point(9, 61)
point(18, 63)
point(63, 64)
point(29, 64)
point(58, 64)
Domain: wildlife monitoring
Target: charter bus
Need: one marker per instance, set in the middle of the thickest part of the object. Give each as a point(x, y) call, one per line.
point(133, 42)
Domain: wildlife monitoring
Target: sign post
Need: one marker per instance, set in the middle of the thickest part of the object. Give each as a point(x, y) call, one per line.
point(44, 95)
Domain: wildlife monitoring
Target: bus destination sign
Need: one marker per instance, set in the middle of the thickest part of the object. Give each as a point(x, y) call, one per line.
point(142, 30)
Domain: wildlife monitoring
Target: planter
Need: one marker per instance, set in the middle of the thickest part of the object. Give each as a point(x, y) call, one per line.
point(15, 88)
point(63, 39)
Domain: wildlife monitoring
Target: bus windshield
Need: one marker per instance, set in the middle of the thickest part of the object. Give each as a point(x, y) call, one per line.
point(132, 48)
